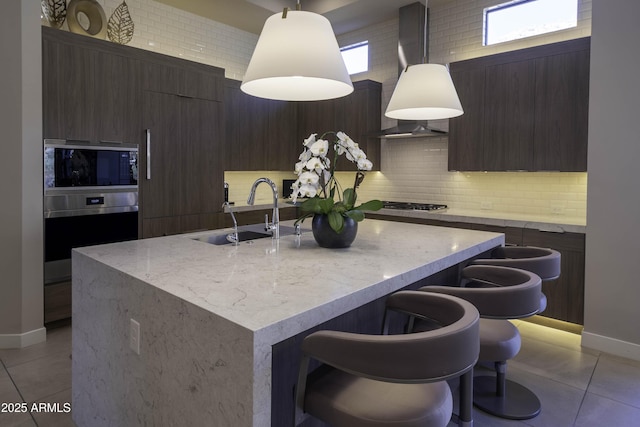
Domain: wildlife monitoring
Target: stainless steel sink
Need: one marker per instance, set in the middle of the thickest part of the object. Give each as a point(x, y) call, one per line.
point(245, 233)
point(243, 236)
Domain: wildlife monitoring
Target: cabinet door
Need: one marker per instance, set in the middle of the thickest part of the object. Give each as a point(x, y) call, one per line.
point(68, 101)
point(160, 193)
point(117, 104)
point(565, 296)
point(508, 116)
point(200, 173)
point(53, 90)
point(562, 112)
point(284, 147)
point(358, 115)
point(159, 76)
point(316, 117)
point(196, 81)
point(466, 145)
point(246, 128)
point(184, 78)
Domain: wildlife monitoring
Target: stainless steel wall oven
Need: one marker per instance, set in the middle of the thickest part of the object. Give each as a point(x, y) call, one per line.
point(90, 197)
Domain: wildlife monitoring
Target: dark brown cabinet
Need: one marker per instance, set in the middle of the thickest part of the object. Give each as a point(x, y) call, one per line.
point(565, 296)
point(561, 112)
point(509, 107)
point(524, 110)
point(184, 160)
point(89, 89)
point(466, 153)
point(165, 74)
point(357, 114)
point(260, 133)
point(265, 134)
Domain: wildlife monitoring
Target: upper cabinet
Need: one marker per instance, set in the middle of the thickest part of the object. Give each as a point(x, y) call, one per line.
point(260, 134)
point(174, 76)
point(357, 115)
point(265, 134)
point(89, 89)
point(524, 110)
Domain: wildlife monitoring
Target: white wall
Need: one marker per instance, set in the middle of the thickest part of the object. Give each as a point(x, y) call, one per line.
point(21, 223)
point(612, 294)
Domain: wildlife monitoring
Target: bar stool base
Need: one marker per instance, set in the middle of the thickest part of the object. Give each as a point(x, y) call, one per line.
point(518, 402)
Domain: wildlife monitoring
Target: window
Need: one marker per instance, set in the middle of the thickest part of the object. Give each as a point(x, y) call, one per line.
point(356, 57)
point(525, 18)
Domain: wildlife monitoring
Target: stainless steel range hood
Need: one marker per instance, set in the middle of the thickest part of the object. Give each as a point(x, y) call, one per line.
point(412, 129)
point(413, 41)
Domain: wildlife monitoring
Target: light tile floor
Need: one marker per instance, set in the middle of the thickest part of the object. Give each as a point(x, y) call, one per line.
point(577, 387)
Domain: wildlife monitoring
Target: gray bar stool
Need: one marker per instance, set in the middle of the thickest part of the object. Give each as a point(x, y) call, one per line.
point(390, 380)
point(499, 294)
point(544, 262)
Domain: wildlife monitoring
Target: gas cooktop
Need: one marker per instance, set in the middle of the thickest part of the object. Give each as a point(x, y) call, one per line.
point(413, 206)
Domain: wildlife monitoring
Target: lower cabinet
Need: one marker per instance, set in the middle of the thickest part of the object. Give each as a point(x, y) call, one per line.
point(57, 301)
point(565, 296)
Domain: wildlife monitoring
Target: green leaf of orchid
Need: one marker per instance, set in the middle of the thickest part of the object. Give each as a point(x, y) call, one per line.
point(326, 205)
point(336, 221)
point(349, 197)
point(356, 215)
point(371, 205)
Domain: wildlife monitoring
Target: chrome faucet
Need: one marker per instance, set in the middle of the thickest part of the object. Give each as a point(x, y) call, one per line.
point(274, 226)
point(232, 237)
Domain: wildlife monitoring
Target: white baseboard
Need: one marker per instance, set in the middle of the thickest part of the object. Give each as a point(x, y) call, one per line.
point(23, 340)
point(611, 345)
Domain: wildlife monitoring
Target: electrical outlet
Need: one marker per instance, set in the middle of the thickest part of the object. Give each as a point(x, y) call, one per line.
point(134, 336)
point(486, 204)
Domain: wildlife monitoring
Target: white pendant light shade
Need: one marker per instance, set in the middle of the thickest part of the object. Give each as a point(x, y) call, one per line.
point(297, 58)
point(424, 92)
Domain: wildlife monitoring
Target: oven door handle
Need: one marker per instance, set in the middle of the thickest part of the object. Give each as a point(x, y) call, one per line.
point(148, 134)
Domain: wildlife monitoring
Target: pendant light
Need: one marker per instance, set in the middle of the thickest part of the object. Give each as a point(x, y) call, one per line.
point(424, 92)
point(297, 58)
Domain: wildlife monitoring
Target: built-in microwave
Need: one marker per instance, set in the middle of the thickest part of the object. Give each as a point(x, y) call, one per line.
point(90, 198)
point(71, 164)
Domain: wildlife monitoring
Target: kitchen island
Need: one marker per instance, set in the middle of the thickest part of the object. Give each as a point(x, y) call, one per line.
point(210, 315)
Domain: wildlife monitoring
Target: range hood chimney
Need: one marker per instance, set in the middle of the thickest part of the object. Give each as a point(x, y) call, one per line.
point(413, 42)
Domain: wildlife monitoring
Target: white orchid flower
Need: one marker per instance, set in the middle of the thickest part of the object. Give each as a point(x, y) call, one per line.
point(310, 140)
point(308, 191)
point(365, 164)
point(315, 164)
point(305, 155)
point(295, 187)
point(299, 167)
point(356, 154)
point(308, 178)
point(320, 148)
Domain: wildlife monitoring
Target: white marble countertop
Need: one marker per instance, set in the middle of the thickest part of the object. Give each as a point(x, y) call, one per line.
point(553, 223)
point(284, 287)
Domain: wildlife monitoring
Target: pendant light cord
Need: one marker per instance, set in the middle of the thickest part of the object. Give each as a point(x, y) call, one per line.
point(425, 34)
